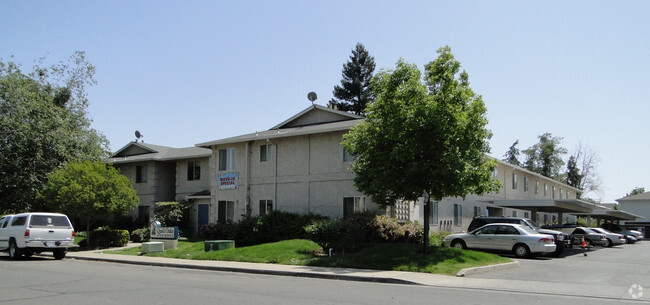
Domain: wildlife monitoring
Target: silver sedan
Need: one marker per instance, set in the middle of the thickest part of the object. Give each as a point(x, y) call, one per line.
point(521, 240)
point(612, 238)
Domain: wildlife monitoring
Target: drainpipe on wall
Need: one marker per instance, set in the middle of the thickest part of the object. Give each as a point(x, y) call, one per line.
point(248, 177)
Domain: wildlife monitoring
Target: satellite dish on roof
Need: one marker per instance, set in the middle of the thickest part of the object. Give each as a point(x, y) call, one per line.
point(312, 96)
point(138, 136)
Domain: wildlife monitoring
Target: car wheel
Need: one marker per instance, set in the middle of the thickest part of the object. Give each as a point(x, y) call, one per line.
point(607, 243)
point(14, 251)
point(59, 254)
point(458, 244)
point(28, 253)
point(521, 250)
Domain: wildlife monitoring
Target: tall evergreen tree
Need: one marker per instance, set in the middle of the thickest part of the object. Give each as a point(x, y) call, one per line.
point(512, 155)
point(573, 176)
point(354, 94)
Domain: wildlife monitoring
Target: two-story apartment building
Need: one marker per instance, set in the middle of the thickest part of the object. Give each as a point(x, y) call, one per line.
point(300, 166)
point(160, 173)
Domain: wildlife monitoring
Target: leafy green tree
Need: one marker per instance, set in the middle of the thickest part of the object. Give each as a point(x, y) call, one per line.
point(545, 157)
point(89, 190)
point(43, 124)
point(354, 93)
point(636, 191)
point(512, 155)
point(422, 137)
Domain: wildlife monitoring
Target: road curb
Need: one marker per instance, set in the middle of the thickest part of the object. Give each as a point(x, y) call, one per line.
point(476, 270)
point(357, 278)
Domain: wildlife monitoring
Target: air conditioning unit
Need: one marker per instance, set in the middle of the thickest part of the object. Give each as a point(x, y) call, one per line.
point(152, 247)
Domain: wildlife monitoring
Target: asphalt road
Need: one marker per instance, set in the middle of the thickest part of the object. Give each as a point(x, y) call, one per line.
point(620, 266)
point(45, 281)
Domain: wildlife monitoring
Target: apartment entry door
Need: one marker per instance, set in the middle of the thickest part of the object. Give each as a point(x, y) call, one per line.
point(204, 216)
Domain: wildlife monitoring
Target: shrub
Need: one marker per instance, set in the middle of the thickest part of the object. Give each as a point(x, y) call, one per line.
point(140, 235)
point(105, 238)
point(272, 227)
point(217, 231)
point(350, 234)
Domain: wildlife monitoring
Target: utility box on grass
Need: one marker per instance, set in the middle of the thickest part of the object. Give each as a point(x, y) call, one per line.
point(216, 245)
point(152, 247)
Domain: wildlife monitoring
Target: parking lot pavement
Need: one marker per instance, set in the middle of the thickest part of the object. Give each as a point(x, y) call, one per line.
point(624, 267)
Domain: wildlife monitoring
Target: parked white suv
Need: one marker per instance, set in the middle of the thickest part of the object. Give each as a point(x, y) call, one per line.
point(29, 233)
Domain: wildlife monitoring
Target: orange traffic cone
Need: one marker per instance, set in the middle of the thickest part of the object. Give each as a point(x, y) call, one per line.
point(584, 247)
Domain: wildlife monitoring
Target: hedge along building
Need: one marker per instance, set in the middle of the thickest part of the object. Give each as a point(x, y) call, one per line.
point(300, 166)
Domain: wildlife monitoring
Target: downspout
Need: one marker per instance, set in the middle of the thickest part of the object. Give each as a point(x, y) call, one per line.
point(248, 178)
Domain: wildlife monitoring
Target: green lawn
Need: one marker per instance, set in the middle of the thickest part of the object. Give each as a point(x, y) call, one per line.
point(397, 257)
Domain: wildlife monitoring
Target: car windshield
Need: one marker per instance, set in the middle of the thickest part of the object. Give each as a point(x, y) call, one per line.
point(528, 230)
point(532, 224)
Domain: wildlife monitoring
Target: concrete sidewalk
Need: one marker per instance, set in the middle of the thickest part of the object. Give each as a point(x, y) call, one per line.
point(393, 277)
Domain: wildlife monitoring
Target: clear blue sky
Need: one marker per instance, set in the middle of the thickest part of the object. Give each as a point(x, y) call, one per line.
point(186, 72)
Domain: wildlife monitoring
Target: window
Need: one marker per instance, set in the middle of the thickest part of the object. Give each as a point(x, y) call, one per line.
point(536, 187)
point(226, 159)
point(140, 174)
point(526, 215)
point(477, 211)
point(495, 173)
point(266, 207)
point(193, 171)
point(545, 219)
point(545, 190)
point(553, 192)
point(353, 205)
point(266, 152)
point(514, 181)
point(19, 221)
point(49, 221)
point(554, 219)
point(561, 193)
point(226, 212)
point(347, 157)
point(514, 214)
point(434, 210)
point(525, 184)
point(458, 214)
point(567, 194)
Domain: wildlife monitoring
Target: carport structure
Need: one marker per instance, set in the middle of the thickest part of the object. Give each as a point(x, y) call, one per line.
point(609, 215)
point(556, 206)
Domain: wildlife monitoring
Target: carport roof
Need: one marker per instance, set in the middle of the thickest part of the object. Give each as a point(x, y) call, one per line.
point(549, 205)
point(611, 215)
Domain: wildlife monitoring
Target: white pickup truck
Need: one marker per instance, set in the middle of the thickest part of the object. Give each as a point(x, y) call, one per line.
point(29, 233)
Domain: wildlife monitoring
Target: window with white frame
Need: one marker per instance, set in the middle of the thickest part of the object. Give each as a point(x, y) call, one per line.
point(266, 206)
point(536, 187)
point(526, 215)
point(458, 214)
point(561, 193)
point(553, 192)
point(545, 190)
point(495, 173)
point(434, 208)
point(141, 174)
point(266, 152)
point(514, 214)
point(514, 181)
point(525, 184)
point(193, 170)
point(353, 205)
point(347, 157)
point(226, 159)
point(226, 211)
point(567, 194)
point(477, 211)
